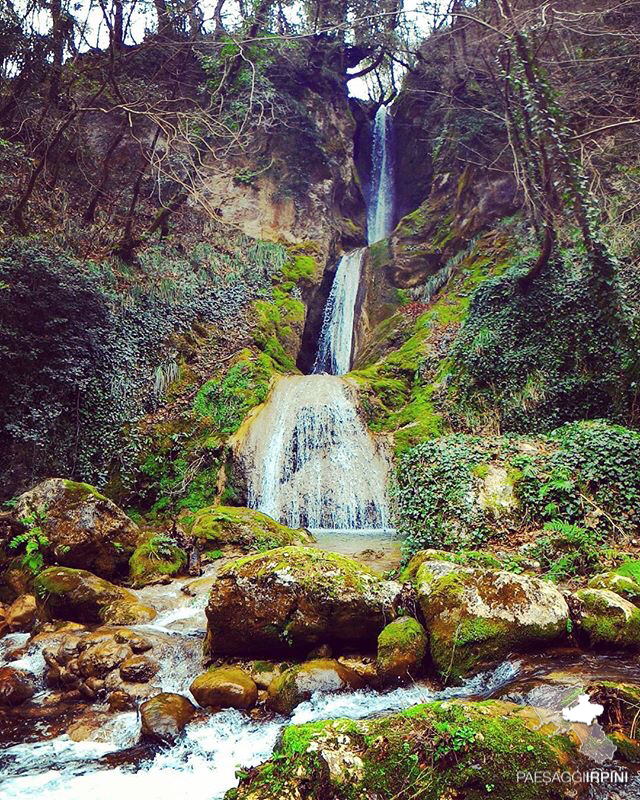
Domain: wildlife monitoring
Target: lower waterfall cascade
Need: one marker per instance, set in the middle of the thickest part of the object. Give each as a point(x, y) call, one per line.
point(311, 462)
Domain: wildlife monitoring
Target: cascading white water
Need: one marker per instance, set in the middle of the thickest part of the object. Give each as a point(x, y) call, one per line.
point(336, 337)
point(380, 210)
point(310, 460)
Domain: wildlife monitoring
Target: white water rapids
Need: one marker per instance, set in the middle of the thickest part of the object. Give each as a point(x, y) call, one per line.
point(203, 763)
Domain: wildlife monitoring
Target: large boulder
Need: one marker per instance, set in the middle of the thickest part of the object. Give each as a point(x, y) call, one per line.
point(16, 686)
point(450, 751)
point(298, 683)
point(607, 620)
point(83, 528)
point(78, 595)
point(225, 687)
point(401, 648)
point(477, 616)
point(293, 599)
point(243, 528)
point(164, 716)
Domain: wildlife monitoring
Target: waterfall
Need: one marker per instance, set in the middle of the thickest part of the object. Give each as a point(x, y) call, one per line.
point(380, 211)
point(311, 462)
point(336, 336)
point(309, 459)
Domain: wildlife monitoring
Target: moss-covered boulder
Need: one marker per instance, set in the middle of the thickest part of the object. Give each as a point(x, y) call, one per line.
point(164, 716)
point(81, 596)
point(432, 752)
point(225, 687)
point(298, 683)
point(83, 528)
point(243, 528)
point(474, 558)
point(620, 584)
point(401, 648)
point(156, 559)
point(477, 616)
point(293, 599)
point(607, 620)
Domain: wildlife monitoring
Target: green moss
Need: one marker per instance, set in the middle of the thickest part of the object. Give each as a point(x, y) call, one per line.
point(226, 400)
point(154, 559)
point(243, 527)
point(83, 489)
point(429, 751)
point(401, 634)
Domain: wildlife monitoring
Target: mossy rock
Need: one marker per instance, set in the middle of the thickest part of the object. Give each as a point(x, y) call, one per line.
point(164, 716)
point(243, 528)
point(154, 561)
point(83, 528)
point(475, 617)
point(628, 749)
point(401, 649)
point(292, 599)
point(81, 596)
point(224, 687)
point(478, 558)
point(607, 620)
point(434, 751)
point(298, 683)
point(620, 584)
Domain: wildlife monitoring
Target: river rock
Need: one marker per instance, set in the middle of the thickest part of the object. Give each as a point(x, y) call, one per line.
point(21, 614)
point(164, 716)
point(401, 648)
point(292, 599)
point(298, 683)
point(225, 687)
point(243, 528)
point(607, 620)
point(477, 616)
point(450, 751)
point(622, 585)
point(84, 529)
point(99, 659)
point(78, 595)
point(16, 686)
point(138, 669)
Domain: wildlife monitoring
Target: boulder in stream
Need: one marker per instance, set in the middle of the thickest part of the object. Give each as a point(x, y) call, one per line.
point(298, 683)
point(225, 687)
point(81, 596)
point(623, 585)
point(292, 599)
point(83, 527)
point(242, 528)
point(607, 620)
point(477, 616)
point(16, 686)
point(164, 716)
point(21, 614)
point(401, 648)
point(450, 750)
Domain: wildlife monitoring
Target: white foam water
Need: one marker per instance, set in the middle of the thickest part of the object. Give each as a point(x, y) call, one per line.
point(204, 761)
